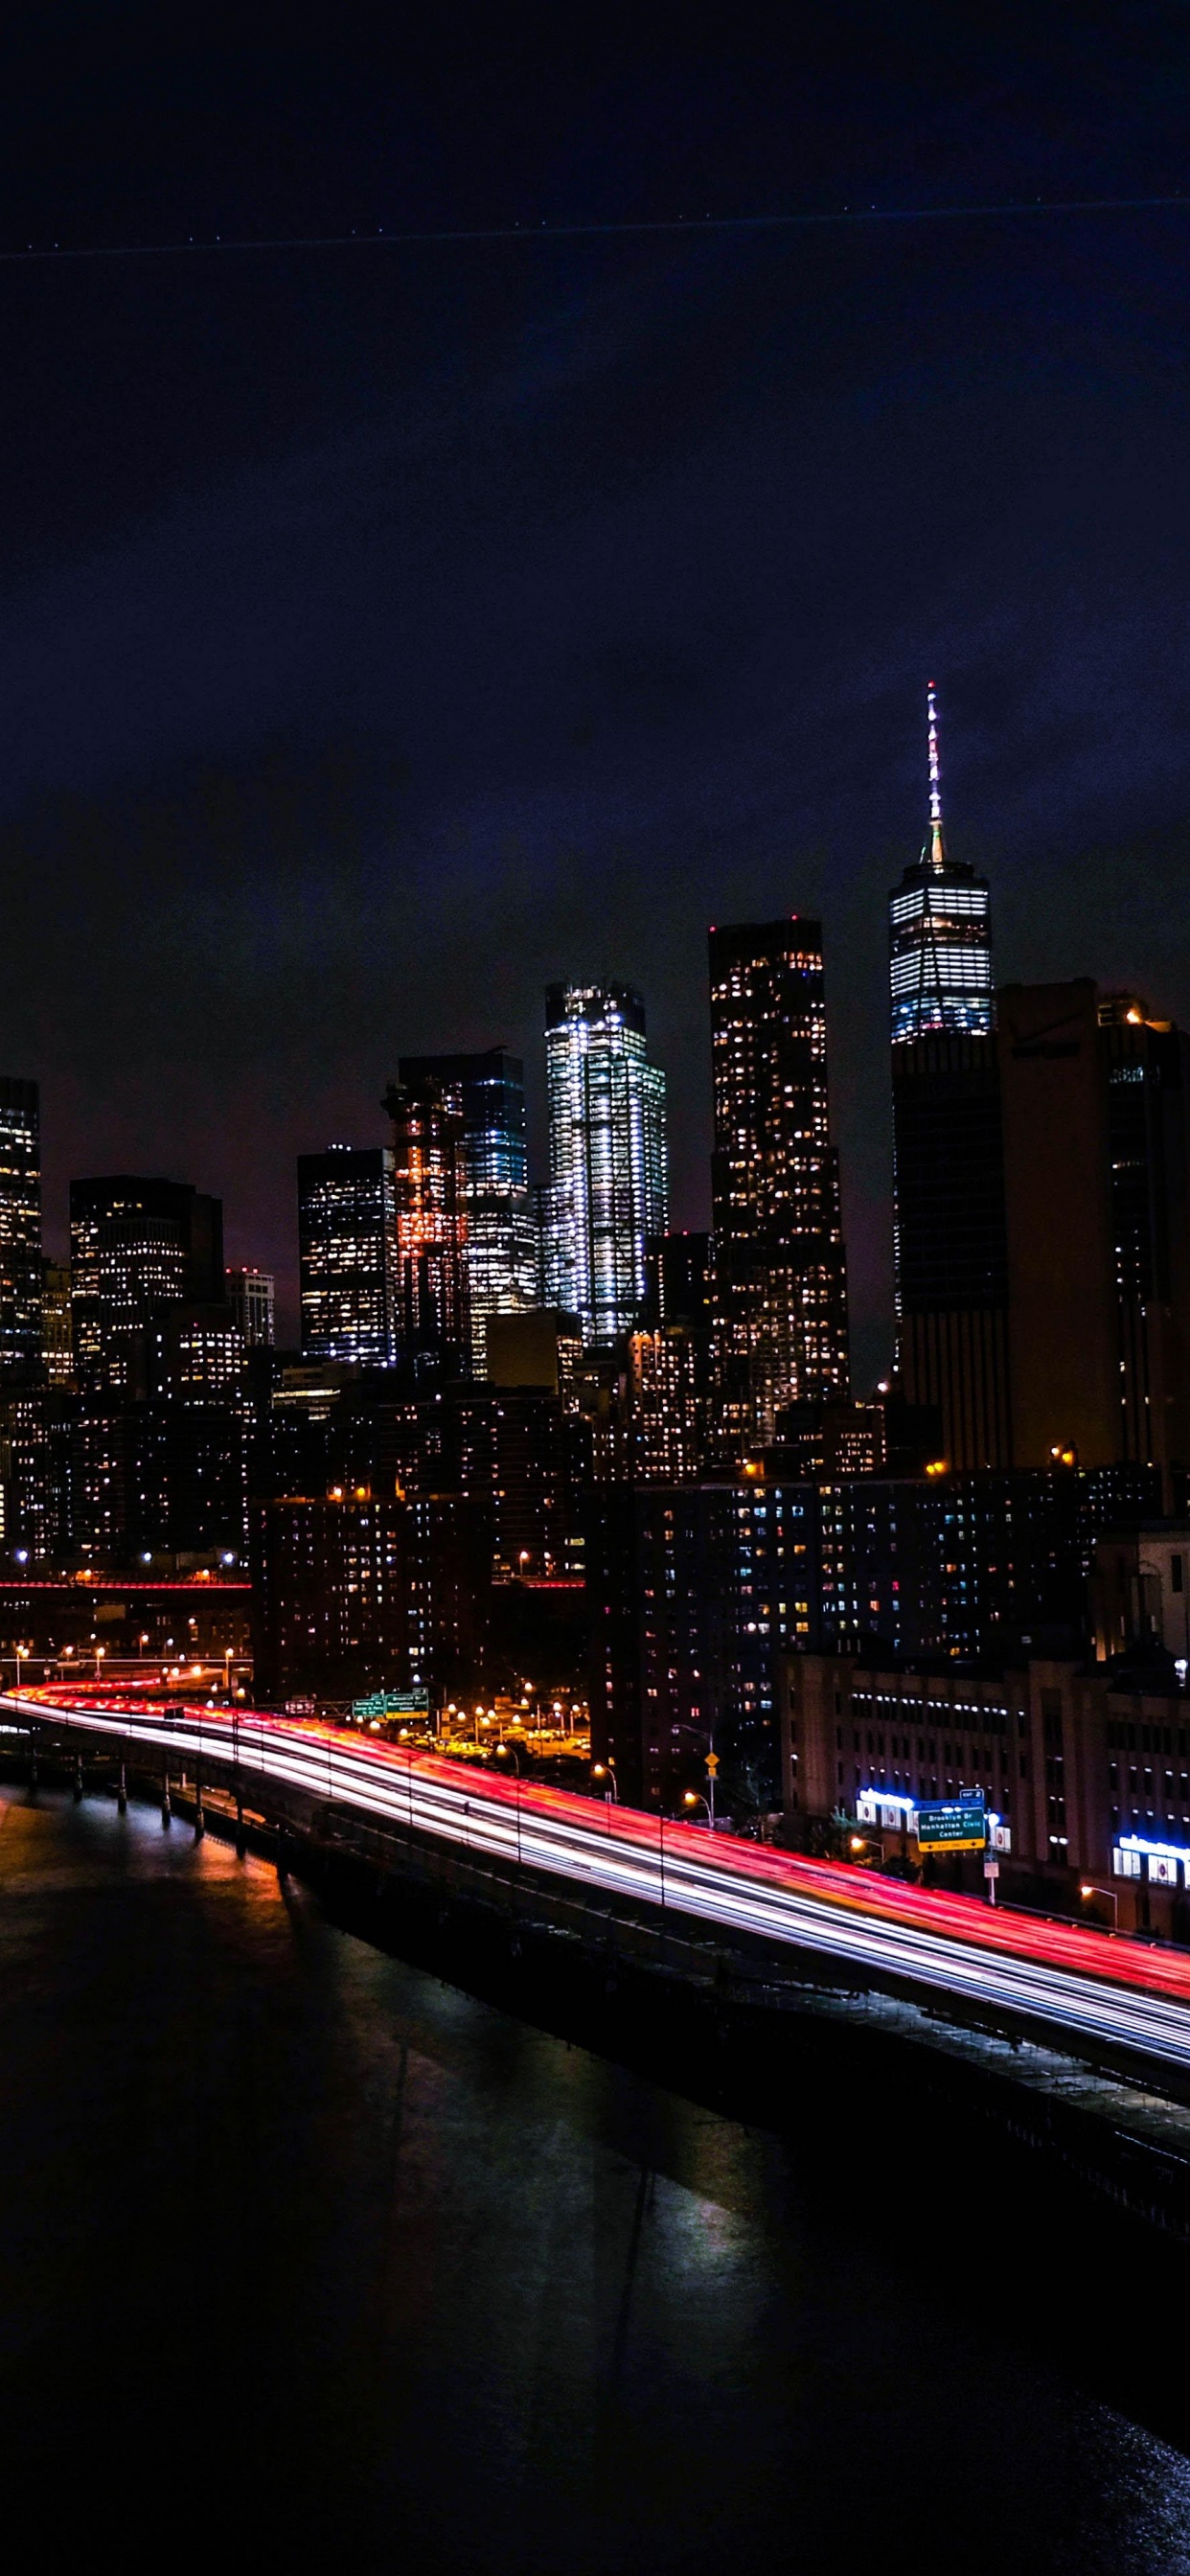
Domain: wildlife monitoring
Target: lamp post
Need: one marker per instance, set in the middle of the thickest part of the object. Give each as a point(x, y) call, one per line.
point(606, 1771)
point(1112, 1894)
point(693, 1798)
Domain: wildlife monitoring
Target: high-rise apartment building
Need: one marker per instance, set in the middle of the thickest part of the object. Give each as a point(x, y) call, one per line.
point(468, 1241)
point(355, 1593)
point(608, 1185)
point(347, 1254)
point(779, 1294)
point(135, 1246)
point(252, 1297)
point(949, 1244)
point(20, 1230)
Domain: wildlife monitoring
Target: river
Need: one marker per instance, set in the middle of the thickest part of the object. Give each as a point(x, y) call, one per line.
point(303, 2253)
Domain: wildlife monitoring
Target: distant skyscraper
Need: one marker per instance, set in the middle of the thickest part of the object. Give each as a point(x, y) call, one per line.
point(608, 1181)
point(463, 1208)
point(939, 933)
point(20, 1231)
point(347, 1252)
point(949, 1243)
point(135, 1245)
point(57, 1343)
point(252, 1295)
point(779, 1297)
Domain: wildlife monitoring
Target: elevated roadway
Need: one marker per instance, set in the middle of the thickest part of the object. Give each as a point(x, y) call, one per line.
point(1097, 1989)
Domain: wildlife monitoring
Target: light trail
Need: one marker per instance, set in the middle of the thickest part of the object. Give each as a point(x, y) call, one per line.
point(1085, 1983)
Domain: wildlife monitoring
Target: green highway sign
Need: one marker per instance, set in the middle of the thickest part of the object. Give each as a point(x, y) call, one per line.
point(952, 1824)
point(392, 1704)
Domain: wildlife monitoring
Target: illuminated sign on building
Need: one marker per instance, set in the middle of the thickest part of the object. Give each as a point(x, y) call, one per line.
point(1135, 1857)
point(884, 1807)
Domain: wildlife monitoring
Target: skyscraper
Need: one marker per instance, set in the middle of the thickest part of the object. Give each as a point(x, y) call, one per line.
point(57, 1339)
point(347, 1252)
point(135, 1245)
point(463, 1208)
point(949, 1245)
point(779, 1297)
point(608, 1180)
point(252, 1294)
point(20, 1230)
point(939, 934)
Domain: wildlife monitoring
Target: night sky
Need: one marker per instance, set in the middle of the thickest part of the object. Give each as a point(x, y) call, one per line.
point(389, 629)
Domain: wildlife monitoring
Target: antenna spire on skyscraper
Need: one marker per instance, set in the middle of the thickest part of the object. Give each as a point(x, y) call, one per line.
point(937, 846)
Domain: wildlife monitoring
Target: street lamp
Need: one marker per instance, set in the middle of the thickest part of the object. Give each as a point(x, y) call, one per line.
point(606, 1771)
point(692, 1798)
point(1111, 1893)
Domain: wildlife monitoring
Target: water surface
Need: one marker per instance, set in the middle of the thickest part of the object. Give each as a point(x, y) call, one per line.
point(335, 2263)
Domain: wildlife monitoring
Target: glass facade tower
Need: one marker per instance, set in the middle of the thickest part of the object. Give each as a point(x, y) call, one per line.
point(463, 1187)
point(347, 1251)
point(136, 1245)
point(940, 941)
point(608, 1189)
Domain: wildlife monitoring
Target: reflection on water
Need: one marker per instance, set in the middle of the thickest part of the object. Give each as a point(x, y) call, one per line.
point(301, 2244)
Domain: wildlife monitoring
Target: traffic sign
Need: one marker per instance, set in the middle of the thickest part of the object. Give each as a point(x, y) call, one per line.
point(392, 1704)
point(712, 1763)
point(952, 1824)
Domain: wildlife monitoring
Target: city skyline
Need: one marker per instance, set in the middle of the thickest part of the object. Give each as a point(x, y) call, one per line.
point(703, 517)
point(595, 1281)
point(914, 961)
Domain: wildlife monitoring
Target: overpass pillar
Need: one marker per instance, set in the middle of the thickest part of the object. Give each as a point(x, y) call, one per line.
point(166, 1809)
point(122, 1793)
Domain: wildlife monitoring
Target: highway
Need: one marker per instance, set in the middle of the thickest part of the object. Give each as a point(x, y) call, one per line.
point(1087, 1984)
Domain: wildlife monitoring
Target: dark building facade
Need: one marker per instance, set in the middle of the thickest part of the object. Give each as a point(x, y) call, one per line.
point(692, 1589)
point(20, 1231)
point(136, 1245)
point(1096, 1098)
point(779, 1291)
point(1088, 1773)
point(347, 1254)
point(352, 1594)
point(950, 1242)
